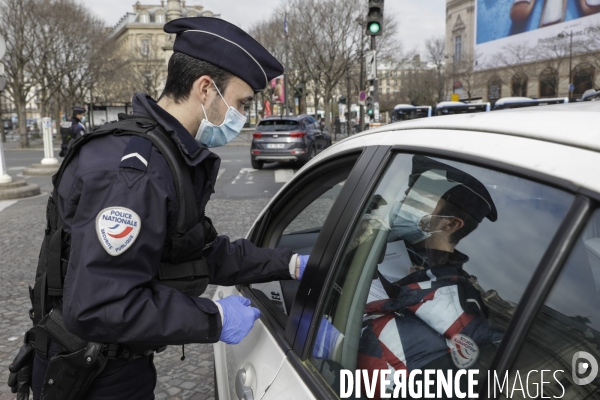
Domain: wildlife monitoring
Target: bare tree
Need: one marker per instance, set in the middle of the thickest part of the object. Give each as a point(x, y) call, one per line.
point(554, 52)
point(436, 47)
point(17, 22)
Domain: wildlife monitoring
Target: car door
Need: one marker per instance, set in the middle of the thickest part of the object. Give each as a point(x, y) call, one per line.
point(558, 349)
point(328, 334)
point(301, 217)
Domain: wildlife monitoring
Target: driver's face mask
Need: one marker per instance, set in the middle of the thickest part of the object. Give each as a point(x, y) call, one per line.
point(212, 135)
point(414, 215)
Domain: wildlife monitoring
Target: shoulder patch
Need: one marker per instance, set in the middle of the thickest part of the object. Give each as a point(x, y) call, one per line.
point(117, 229)
point(464, 350)
point(137, 154)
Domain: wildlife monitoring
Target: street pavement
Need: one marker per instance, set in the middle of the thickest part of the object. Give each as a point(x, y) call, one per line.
point(241, 193)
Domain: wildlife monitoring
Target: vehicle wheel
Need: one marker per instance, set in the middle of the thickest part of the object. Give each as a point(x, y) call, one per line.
point(311, 154)
point(257, 164)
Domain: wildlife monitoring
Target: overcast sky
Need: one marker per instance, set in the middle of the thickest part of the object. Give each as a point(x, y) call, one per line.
point(419, 19)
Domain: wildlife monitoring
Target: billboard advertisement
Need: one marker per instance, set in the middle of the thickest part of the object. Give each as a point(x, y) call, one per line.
point(501, 23)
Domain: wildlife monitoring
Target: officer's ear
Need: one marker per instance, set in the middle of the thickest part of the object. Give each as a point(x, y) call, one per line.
point(201, 89)
point(452, 224)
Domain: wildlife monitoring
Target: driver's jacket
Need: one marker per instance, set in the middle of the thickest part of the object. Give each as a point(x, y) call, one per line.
point(430, 314)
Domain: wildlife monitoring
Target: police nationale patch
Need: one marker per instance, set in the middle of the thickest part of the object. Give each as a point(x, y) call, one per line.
point(464, 350)
point(117, 229)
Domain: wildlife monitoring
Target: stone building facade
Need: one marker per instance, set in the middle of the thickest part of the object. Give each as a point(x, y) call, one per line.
point(549, 77)
point(139, 36)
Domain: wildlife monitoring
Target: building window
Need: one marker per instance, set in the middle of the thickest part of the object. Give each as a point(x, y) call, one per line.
point(582, 78)
point(519, 85)
point(144, 18)
point(549, 83)
point(457, 48)
point(145, 47)
point(192, 14)
point(494, 89)
point(160, 18)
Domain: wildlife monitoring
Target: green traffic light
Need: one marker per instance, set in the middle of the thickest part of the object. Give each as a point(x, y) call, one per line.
point(374, 27)
point(370, 112)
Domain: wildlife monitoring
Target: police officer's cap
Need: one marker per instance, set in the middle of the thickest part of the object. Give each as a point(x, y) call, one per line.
point(465, 192)
point(226, 46)
point(78, 110)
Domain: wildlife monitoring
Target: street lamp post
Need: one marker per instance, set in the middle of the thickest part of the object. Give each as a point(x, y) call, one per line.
point(562, 35)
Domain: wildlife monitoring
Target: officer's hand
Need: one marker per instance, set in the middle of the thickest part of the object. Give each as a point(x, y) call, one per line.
point(327, 337)
point(21, 371)
point(238, 318)
point(302, 261)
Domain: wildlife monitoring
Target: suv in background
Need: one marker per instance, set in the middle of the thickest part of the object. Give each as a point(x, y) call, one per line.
point(287, 139)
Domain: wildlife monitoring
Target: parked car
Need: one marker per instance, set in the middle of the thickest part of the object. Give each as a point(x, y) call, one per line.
point(287, 139)
point(533, 265)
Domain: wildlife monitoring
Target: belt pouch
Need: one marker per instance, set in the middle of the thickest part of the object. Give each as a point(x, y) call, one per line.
point(69, 375)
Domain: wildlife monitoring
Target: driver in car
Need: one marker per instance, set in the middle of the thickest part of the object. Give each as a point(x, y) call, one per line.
point(434, 317)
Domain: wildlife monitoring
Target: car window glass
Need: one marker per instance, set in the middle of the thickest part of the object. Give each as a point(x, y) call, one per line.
point(438, 261)
point(277, 126)
point(564, 340)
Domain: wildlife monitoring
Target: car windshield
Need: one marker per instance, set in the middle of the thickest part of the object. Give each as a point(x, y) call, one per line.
point(278, 126)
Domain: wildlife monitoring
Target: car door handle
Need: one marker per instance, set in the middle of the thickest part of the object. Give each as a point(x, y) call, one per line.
point(243, 392)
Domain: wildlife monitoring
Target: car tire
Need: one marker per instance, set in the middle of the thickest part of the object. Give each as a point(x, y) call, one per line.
point(311, 154)
point(257, 164)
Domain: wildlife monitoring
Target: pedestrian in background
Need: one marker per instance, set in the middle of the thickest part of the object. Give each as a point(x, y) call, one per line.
point(73, 129)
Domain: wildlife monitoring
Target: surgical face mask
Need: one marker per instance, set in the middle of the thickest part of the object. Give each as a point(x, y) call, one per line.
point(83, 120)
point(411, 223)
point(212, 135)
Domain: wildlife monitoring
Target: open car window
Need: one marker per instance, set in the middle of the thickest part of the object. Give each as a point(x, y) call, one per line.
point(297, 220)
point(434, 269)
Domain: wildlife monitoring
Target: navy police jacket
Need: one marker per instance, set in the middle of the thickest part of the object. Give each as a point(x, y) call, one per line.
point(77, 128)
point(118, 220)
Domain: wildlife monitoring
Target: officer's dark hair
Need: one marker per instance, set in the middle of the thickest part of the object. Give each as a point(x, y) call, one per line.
point(184, 70)
point(470, 223)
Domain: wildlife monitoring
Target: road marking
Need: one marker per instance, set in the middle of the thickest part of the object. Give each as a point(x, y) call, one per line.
point(4, 204)
point(15, 168)
point(244, 175)
point(221, 172)
point(12, 338)
point(283, 175)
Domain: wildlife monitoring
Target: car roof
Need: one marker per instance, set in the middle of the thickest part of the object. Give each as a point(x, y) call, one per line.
point(552, 123)
point(561, 140)
point(288, 117)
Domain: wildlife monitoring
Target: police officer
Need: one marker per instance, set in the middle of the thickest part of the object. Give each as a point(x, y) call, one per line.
point(77, 121)
point(118, 202)
point(72, 129)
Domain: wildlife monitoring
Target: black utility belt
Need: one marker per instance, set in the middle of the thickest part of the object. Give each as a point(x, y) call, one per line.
point(52, 326)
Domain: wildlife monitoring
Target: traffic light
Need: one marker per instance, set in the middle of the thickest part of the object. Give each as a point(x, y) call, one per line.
point(375, 18)
point(370, 106)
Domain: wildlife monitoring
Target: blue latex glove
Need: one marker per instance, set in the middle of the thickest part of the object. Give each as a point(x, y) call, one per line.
point(303, 262)
point(238, 318)
point(327, 336)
